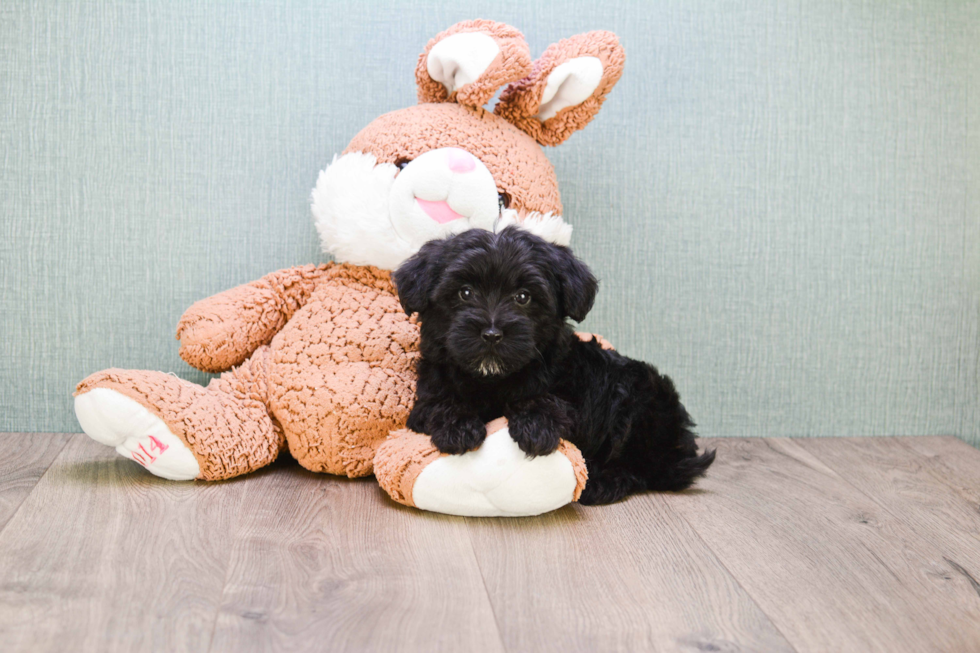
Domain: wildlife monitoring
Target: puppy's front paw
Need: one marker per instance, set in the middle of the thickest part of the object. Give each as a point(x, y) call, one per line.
point(535, 434)
point(458, 435)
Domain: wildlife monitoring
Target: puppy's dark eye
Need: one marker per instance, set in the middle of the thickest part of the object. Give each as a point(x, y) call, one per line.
point(465, 293)
point(523, 297)
point(503, 199)
point(402, 162)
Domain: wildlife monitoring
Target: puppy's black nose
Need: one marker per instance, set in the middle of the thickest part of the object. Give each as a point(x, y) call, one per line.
point(493, 335)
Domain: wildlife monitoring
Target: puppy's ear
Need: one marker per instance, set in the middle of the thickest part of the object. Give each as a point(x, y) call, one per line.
point(417, 277)
point(577, 285)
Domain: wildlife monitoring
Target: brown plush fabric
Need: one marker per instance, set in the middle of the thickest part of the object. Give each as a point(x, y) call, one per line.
point(513, 62)
point(226, 425)
point(335, 380)
point(516, 162)
point(520, 101)
point(342, 371)
point(588, 337)
point(496, 424)
point(574, 456)
point(221, 331)
point(400, 460)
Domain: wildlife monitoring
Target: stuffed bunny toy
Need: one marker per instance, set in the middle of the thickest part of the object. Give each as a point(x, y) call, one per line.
point(320, 358)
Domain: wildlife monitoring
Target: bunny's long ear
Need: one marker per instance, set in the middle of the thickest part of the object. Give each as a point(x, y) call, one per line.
point(566, 87)
point(470, 61)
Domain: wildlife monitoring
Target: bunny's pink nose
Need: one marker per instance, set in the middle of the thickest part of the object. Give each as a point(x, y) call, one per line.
point(461, 160)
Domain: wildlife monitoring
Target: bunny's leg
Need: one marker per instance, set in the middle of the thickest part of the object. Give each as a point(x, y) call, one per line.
point(180, 430)
point(496, 480)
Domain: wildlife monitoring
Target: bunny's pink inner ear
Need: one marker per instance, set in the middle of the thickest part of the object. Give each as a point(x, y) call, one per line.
point(470, 61)
point(566, 87)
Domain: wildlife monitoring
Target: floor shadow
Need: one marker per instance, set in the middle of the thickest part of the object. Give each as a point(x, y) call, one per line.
point(115, 471)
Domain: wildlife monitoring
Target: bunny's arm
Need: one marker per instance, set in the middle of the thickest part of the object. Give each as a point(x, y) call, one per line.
point(223, 330)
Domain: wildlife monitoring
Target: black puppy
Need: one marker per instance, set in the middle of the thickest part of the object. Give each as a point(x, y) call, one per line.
point(495, 342)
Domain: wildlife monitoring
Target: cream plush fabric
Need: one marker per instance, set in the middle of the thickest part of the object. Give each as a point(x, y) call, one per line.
point(496, 480)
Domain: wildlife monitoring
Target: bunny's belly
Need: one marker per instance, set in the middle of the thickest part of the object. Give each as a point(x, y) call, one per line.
point(342, 375)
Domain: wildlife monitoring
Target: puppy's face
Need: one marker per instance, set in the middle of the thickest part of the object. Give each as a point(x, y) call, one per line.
point(491, 303)
point(495, 306)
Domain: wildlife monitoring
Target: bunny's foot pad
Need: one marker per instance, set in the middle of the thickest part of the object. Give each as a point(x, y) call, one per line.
point(113, 419)
point(496, 480)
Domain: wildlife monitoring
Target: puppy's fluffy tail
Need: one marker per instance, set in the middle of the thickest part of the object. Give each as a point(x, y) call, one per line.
point(682, 473)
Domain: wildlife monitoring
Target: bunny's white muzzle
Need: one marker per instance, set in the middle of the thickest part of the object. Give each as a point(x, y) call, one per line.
point(442, 192)
point(370, 213)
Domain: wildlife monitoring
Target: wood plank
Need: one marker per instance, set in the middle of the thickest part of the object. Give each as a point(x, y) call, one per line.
point(329, 563)
point(102, 556)
point(956, 463)
point(630, 576)
point(912, 489)
point(24, 459)
point(831, 568)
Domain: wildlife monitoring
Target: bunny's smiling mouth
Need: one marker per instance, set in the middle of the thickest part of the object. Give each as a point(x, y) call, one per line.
point(438, 211)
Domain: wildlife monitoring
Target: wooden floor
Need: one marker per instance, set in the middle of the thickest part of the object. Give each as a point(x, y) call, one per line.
point(807, 545)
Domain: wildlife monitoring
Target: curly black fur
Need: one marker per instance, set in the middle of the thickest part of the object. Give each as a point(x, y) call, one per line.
point(495, 342)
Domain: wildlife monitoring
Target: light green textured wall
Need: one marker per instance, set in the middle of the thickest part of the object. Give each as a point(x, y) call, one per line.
point(782, 202)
